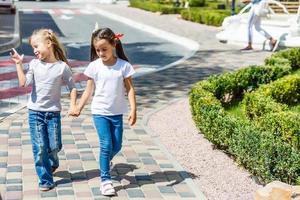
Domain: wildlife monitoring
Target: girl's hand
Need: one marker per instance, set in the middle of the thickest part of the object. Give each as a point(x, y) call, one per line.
point(15, 56)
point(74, 111)
point(132, 118)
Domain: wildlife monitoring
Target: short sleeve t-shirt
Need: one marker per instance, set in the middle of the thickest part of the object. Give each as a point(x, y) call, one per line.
point(110, 93)
point(46, 80)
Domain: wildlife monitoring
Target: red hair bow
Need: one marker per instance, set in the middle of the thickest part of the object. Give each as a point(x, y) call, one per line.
point(119, 36)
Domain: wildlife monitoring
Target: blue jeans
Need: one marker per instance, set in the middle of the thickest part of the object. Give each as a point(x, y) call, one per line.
point(45, 132)
point(110, 132)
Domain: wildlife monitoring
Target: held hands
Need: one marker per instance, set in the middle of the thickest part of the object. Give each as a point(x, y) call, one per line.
point(74, 111)
point(15, 56)
point(132, 117)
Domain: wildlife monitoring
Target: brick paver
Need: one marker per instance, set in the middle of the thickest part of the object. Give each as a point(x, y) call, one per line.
point(143, 169)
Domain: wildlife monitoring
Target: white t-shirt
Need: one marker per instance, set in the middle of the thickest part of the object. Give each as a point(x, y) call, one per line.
point(47, 79)
point(110, 94)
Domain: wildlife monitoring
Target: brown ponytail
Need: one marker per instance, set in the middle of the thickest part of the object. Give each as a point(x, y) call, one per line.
point(110, 36)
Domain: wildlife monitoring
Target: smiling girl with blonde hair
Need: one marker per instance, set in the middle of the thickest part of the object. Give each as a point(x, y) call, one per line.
point(47, 73)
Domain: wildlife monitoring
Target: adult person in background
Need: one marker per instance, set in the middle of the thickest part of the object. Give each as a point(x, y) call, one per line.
point(259, 9)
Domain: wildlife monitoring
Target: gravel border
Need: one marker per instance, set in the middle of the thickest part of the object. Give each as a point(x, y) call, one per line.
point(215, 174)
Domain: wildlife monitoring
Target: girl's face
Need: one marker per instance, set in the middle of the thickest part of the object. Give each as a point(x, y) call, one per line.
point(41, 47)
point(104, 50)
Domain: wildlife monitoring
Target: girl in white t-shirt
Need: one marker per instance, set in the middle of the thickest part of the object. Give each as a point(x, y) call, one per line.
point(110, 76)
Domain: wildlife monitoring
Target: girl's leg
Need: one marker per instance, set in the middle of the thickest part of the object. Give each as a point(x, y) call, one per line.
point(40, 147)
point(103, 125)
point(117, 134)
point(54, 133)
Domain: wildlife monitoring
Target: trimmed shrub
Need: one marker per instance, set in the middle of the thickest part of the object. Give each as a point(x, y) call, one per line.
point(256, 105)
point(205, 16)
point(196, 3)
point(267, 144)
point(285, 125)
point(272, 98)
point(292, 55)
point(229, 86)
point(264, 155)
point(287, 90)
point(155, 7)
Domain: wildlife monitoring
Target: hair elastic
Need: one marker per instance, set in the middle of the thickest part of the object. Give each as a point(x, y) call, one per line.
point(119, 36)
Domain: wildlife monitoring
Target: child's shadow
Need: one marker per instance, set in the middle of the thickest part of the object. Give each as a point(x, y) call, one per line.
point(119, 173)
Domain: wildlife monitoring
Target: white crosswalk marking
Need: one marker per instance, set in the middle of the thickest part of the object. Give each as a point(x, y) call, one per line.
point(67, 11)
point(59, 11)
point(50, 11)
point(87, 12)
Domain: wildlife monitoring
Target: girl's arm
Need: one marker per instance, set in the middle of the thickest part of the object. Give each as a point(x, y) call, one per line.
point(90, 86)
point(18, 61)
point(73, 97)
point(132, 100)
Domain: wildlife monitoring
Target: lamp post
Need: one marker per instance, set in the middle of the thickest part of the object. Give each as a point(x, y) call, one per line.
point(232, 7)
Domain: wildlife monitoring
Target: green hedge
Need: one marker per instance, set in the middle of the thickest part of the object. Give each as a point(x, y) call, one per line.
point(245, 80)
point(292, 55)
point(196, 3)
point(268, 148)
point(155, 7)
point(284, 124)
point(268, 107)
point(205, 16)
point(265, 156)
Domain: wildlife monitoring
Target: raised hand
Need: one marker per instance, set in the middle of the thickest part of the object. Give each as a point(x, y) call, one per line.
point(16, 57)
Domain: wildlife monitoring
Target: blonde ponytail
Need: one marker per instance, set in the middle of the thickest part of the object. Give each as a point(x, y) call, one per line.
point(58, 49)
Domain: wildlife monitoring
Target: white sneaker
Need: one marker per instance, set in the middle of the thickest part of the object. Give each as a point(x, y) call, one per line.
point(107, 188)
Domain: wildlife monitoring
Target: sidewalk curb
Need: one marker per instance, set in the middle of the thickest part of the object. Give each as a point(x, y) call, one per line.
point(199, 195)
point(16, 36)
point(192, 45)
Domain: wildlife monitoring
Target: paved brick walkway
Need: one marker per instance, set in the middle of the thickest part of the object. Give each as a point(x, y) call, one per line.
point(144, 169)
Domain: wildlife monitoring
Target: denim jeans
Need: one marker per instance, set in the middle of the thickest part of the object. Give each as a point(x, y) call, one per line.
point(110, 132)
point(45, 132)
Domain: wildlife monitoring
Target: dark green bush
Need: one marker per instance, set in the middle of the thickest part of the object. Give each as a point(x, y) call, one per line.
point(292, 55)
point(272, 98)
point(257, 105)
point(277, 61)
point(287, 90)
point(205, 16)
point(155, 7)
point(268, 107)
point(264, 155)
point(196, 3)
point(285, 125)
point(235, 84)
